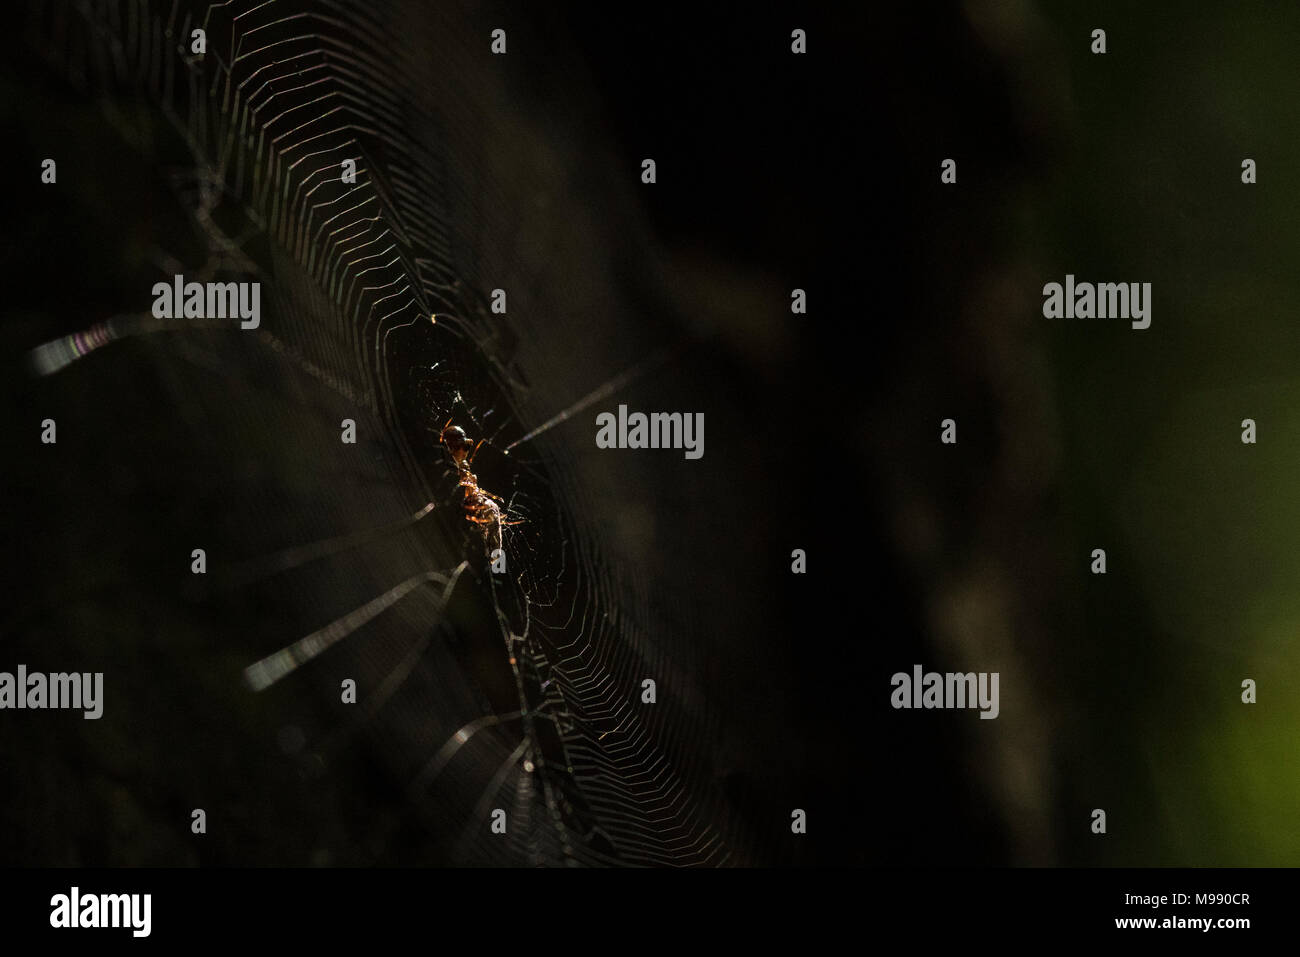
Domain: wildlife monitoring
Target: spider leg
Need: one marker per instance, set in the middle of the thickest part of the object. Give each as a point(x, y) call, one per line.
point(470, 460)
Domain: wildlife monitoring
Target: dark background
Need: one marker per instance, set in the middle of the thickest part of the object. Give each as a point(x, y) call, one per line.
point(775, 172)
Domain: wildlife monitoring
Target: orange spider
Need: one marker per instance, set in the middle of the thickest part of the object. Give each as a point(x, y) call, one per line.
point(481, 506)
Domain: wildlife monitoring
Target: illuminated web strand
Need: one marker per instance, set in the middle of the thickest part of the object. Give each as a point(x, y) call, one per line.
point(269, 565)
point(444, 754)
point(277, 143)
point(610, 387)
point(262, 674)
point(50, 357)
point(57, 354)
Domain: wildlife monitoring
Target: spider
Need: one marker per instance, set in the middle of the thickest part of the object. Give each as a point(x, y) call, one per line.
point(481, 506)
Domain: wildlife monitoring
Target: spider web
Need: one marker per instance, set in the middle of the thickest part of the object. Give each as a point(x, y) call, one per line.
point(481, 691)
